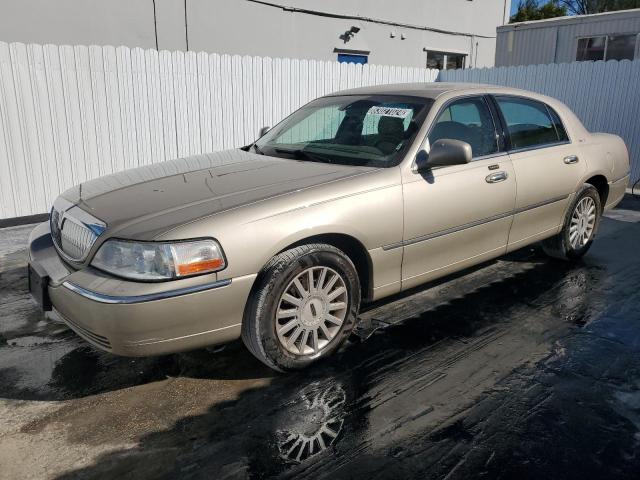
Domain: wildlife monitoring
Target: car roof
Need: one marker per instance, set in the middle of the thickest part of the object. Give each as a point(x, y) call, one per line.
point(426, 90)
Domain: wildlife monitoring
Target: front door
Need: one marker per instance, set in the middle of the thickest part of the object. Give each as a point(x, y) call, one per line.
point(459, 215)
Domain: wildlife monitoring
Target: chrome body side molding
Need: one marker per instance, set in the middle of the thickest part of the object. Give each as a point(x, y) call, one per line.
point(476, 223)
point(112, 299)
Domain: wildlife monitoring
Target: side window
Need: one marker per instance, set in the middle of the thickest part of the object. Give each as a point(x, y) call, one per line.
point(529, 123)
point(469, 120)
point(562, 133)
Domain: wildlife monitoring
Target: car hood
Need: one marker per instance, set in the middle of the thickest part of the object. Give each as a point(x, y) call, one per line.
point(198, 186)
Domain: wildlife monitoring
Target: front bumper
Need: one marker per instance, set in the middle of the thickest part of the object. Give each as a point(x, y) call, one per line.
point(140, 319)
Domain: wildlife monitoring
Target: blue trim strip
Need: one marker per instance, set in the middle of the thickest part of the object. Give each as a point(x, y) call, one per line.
point(119, 300)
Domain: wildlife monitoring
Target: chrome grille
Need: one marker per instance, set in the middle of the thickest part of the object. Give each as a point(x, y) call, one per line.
point(76, 239)
point(73, 230)
point(55, 225)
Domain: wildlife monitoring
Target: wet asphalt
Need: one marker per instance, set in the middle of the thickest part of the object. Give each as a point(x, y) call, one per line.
point(523, 367)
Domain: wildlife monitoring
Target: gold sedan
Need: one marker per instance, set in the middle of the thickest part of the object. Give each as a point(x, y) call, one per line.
point(356, 196)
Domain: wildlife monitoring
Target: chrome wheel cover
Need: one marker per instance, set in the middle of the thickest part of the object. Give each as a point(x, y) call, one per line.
point(311, 311)
point(583, 221)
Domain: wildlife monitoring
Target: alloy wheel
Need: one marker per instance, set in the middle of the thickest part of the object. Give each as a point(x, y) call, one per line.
point(583, 222)
point(311, 311)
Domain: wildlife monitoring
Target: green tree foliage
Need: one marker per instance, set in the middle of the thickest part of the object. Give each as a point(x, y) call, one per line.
point(536, 10)
point(533, 10)
point(584, 7)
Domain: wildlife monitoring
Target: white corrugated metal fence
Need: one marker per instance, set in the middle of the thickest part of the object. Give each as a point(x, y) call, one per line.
point(68, 114)
point(604, 95)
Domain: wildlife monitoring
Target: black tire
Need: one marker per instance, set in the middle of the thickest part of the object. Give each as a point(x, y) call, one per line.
point(259, 324)
point(559, 246)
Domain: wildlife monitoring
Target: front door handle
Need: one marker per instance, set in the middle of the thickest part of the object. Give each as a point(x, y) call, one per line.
point(497, 177)
point(571, 159)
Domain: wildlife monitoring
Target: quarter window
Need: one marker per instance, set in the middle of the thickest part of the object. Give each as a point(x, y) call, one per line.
point(531, 123)
point(468, 120)
point(557, 123)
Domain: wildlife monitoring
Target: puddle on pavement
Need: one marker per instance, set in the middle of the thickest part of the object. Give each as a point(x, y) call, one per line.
point(311, 425)
point(54, 364)
point(476, 368)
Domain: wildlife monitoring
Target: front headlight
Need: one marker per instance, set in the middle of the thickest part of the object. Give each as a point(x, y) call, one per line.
point(159, 260)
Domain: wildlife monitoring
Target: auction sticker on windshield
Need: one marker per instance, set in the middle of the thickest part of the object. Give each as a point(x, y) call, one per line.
point(390, 111)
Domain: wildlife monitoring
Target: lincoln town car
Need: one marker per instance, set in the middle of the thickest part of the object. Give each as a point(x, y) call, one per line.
point(356, 196)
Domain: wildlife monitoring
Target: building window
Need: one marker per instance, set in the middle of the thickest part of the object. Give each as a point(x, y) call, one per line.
point(445, 60)
point(620, 47)
point(353, 58)
point(591, 48)
point(606, 47)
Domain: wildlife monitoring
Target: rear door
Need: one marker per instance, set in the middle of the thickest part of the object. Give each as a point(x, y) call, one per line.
point(458, 215)
point(547, 167)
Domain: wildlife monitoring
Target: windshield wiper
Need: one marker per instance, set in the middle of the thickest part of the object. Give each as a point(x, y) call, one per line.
point(303, 155)
point(257, 149)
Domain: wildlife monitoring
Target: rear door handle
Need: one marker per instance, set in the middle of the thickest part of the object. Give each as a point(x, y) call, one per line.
point(497, 177)
point(571, 159)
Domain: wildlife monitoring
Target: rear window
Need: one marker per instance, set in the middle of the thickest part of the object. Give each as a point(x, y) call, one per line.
point(531, 123)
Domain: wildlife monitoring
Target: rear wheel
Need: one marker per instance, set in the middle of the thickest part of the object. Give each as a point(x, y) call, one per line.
point(305, 305)
point(580, 226)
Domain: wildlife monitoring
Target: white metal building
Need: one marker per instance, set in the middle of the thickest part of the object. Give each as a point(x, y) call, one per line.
point(436, 33)
point(602, 36)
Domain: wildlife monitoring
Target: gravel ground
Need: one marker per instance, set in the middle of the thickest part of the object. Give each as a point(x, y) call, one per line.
point(522, 368)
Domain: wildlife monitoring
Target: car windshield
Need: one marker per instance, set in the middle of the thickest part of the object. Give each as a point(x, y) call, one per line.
point(371, 130)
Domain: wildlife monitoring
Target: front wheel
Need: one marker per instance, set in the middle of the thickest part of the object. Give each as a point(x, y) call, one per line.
point(580, 226)
point(303, 308)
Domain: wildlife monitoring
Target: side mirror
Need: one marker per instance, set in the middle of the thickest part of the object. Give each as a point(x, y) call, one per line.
point(263, 130)
point(444, 152)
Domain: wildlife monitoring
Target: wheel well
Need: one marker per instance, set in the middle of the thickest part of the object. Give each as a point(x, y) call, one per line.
point(353, 249)
point(601, 184)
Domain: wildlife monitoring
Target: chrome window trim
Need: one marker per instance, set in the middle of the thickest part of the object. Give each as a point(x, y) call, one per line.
point(126, 299)
point(490, 156)
point(538, 147)
point(475, 223)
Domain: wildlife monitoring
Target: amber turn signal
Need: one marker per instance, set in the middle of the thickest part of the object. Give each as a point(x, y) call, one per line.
point(199, 267)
